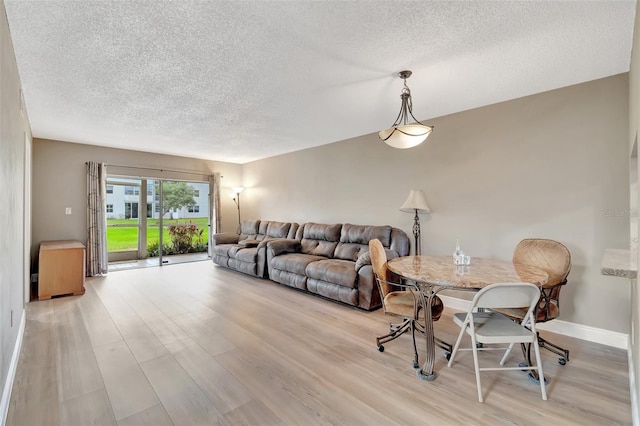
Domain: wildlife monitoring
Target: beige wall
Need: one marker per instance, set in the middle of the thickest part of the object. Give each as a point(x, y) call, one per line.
point(634, 127)
point(59, 181)
point(14, 220)
point(552, 165)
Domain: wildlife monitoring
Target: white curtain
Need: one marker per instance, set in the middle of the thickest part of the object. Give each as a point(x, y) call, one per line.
point(214, 206)
point(97, 260)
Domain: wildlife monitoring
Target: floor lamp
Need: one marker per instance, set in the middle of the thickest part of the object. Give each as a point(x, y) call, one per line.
point(416, 203)
point(236, 199)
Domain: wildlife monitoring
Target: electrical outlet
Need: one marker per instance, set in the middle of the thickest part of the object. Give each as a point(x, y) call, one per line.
point(67, 210)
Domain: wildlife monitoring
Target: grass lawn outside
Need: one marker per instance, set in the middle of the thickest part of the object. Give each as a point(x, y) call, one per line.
point(124, 237)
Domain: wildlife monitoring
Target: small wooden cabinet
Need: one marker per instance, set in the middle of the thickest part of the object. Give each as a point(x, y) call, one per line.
point(62, 269)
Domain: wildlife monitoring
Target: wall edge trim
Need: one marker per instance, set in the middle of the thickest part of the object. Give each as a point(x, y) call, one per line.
point(635, 416)
point(13, 367)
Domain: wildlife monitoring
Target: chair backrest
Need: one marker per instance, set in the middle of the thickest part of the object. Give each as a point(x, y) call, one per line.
point(549, 255)
point(379, 265)
point(507, 295)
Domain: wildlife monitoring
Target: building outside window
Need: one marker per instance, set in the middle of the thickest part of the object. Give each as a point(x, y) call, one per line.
point(110, 206)
point(131, 190)
point(123, 196)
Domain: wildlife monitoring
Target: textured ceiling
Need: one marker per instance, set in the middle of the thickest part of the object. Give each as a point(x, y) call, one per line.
point(239, 81)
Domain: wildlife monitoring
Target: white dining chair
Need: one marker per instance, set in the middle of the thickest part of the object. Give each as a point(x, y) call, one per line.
point(488, 327)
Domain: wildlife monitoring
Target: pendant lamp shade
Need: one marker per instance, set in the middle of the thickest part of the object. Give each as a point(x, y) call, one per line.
point(405, 136)
point(402, 134)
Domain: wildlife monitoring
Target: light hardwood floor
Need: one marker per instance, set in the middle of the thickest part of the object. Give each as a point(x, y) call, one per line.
point(198, 344)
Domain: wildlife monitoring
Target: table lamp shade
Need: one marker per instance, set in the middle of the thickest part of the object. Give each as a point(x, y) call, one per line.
point(415, 201)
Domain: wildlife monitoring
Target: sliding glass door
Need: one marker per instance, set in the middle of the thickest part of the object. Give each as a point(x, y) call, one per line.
point(155, 218)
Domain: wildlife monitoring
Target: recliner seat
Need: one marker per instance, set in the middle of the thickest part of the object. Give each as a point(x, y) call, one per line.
point(247, 252)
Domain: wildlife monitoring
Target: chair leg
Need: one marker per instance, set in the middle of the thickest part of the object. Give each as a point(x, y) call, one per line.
point(456, 346)
point(551, 347)
point(543, 387)
point(476, 366)
point(506, 354)
point(395, 327)
point(394, 333)
point(448, 349)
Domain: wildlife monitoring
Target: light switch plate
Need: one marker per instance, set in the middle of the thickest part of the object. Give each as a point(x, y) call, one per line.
point(67, 210)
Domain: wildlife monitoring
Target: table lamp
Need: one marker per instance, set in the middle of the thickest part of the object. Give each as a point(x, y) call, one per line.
point(416, 203)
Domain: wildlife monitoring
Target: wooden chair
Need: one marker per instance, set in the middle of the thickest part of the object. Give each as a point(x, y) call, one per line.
point(400, 299)
point(555, 259)
point(490, 327)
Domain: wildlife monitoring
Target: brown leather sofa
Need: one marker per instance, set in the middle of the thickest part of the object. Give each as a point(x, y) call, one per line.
point(247, 252)
point(333, 260)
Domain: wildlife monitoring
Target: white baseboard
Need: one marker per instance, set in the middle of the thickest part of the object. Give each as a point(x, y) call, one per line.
point(455, 303)
point(13, 366)
point(579, 331)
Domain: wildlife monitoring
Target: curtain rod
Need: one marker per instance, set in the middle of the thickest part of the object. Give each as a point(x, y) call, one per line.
point(158, 170)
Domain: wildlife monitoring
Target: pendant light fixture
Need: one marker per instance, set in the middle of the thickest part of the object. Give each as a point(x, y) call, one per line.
point(401, 134)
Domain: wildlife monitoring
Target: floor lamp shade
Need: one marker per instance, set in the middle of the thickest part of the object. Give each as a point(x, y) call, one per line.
point(416, 203)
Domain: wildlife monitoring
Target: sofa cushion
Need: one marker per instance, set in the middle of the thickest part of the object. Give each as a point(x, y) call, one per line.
point(278, 229)
point(249, 229)
point(320, 239)
point(341, 272)
point(354, 240)
point(294, 262)
point(223, 249)
point(233, 250)
point(247, 254)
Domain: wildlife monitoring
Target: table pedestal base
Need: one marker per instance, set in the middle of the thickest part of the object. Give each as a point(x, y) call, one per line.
point(426, 377)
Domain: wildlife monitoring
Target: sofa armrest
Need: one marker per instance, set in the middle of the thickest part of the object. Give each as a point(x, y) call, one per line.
point(278, 247)
point(267, 240)
point(225, 238)
point(365, 258)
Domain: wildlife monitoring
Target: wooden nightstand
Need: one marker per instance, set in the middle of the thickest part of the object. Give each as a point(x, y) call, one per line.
point(62, 269)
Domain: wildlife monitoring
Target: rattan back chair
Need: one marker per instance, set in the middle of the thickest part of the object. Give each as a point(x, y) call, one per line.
point(555, 259)
point(400, 299)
